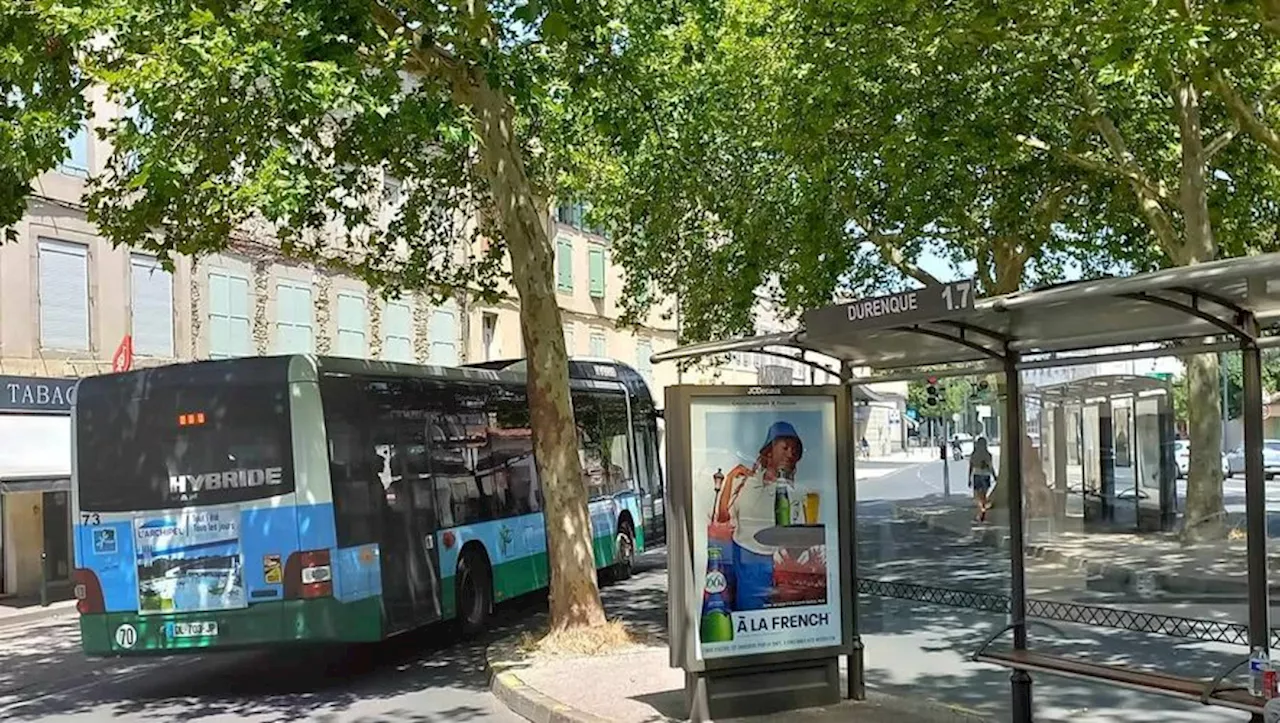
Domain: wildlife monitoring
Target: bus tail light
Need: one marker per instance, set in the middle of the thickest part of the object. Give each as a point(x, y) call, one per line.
point(88, 592)
point(309, 575)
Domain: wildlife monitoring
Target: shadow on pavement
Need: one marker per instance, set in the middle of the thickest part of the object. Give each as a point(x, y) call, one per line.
point(279, 685)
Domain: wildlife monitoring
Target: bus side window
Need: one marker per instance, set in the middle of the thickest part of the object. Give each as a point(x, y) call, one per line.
point(586, 414)
point(354, 506)
point(615, 443)
point(453, 466)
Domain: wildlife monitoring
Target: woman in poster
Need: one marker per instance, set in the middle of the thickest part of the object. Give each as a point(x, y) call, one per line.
point(745, 506)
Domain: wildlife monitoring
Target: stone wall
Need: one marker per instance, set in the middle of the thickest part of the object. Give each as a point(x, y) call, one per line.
point(322, 289)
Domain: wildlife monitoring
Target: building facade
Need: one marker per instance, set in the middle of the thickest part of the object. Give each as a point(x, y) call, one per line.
point(70, 299)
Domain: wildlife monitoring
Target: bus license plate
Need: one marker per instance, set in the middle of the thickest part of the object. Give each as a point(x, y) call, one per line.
point(205, 629)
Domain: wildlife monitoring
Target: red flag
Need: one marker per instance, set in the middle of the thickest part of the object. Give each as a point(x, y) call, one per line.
point(123, 360)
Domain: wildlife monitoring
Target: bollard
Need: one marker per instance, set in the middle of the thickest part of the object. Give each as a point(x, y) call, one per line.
point(44, 579)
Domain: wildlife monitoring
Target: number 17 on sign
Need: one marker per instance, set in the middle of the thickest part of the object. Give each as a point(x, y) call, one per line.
point(956, 295)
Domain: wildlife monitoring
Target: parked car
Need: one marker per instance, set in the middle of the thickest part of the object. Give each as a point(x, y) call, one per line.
point(1182, 456)
point(1270, 458)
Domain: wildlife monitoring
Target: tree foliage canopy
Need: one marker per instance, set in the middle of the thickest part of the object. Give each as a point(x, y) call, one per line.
point(416, 145)
point(820, 149)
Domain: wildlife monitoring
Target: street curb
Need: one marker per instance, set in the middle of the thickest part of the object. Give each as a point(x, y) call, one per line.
point(537, 707)
point(1121, 576)
point(56, 610)
point(500, 660)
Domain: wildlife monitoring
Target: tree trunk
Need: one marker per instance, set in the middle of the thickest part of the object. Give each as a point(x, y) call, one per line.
point(1007, 266)
point(574, 595)
point(1204, 517)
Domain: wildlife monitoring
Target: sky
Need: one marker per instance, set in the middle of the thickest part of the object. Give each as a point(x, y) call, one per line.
point(943, 270)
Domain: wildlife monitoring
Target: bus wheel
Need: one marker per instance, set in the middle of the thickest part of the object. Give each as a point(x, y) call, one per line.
point(626, 551)
point(474, 593)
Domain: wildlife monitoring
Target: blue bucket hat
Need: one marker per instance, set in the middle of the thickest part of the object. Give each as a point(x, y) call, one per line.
point(782, 430)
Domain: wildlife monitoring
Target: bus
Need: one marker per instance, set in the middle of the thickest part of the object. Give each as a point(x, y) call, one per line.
point(262, 501)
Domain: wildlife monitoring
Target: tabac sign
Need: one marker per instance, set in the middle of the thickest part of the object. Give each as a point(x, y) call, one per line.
point(932, 303)
point(37, 395)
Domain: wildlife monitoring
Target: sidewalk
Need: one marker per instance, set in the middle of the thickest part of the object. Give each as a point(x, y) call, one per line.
point(637, 685)
point(24, 611)
point(1127, 561)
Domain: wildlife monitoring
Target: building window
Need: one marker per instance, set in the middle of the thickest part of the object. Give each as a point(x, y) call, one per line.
point(599, 347)
point(230, 329)
point(152, 289)
point(397, 332)
point(77, 164)
point(644, 350)
point(595, 259)
point(564, 265)
point(570, 344)
point(570, 214)
point(443, 334)
point(64, 295)
point(489, 333)
point(294, 317)
point(352, 323)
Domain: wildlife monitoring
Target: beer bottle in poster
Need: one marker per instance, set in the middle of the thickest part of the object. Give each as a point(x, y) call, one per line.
point(781, 505)
point(717, 623)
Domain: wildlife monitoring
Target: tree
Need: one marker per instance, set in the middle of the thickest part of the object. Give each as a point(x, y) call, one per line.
point(834, 142)
point(779, 149)
point(819, 151)
point(41, 99)
point(284, 118)
point(1133, 82)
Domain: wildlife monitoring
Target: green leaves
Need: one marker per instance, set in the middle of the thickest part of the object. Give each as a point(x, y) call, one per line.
point(41, 101)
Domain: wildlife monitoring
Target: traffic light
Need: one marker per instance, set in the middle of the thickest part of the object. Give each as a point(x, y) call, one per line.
point(931, 393)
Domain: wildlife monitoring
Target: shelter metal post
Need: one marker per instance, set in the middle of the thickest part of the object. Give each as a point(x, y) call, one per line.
point(857, 689)
point(1255, 494)
point(1060, 460)
point(1107, 463)
point(1011, 445)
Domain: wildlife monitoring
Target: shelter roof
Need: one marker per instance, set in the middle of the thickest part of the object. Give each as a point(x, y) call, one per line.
point(1184, 305)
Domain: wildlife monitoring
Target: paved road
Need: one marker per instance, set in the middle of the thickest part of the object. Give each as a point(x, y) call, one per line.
point(427, 677)
point(917, 648)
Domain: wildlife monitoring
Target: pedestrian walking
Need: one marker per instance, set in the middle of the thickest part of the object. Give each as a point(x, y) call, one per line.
point(982, 476)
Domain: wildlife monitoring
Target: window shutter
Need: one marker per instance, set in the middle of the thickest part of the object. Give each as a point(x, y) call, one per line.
point(564, 264)
point(443, 333)
point(351, 326)
point(64, 296)
point(230, 328)
point(293, 318)
point(644, 350)
point(595, 256)
point(569, 344)
point(152, 289)
point(599, 345)
point(397, 328)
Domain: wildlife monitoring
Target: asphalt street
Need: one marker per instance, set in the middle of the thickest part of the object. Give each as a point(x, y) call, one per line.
point(431, 676)
point(427, 677)
point(919, 648)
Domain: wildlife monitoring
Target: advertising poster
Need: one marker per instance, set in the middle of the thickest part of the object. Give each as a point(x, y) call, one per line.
point(765, 524)
point(190, 561)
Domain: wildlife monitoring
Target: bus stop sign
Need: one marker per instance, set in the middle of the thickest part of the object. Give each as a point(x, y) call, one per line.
point(932, 303)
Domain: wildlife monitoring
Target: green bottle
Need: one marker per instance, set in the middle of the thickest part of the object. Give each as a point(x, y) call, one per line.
point(781, 505)
point(717, 623)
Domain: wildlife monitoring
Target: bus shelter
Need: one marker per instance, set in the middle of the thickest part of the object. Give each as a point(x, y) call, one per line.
point(1107, 446)
point(1229, 305)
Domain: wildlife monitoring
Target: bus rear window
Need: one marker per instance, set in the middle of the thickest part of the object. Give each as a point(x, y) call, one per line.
point(142, 446)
